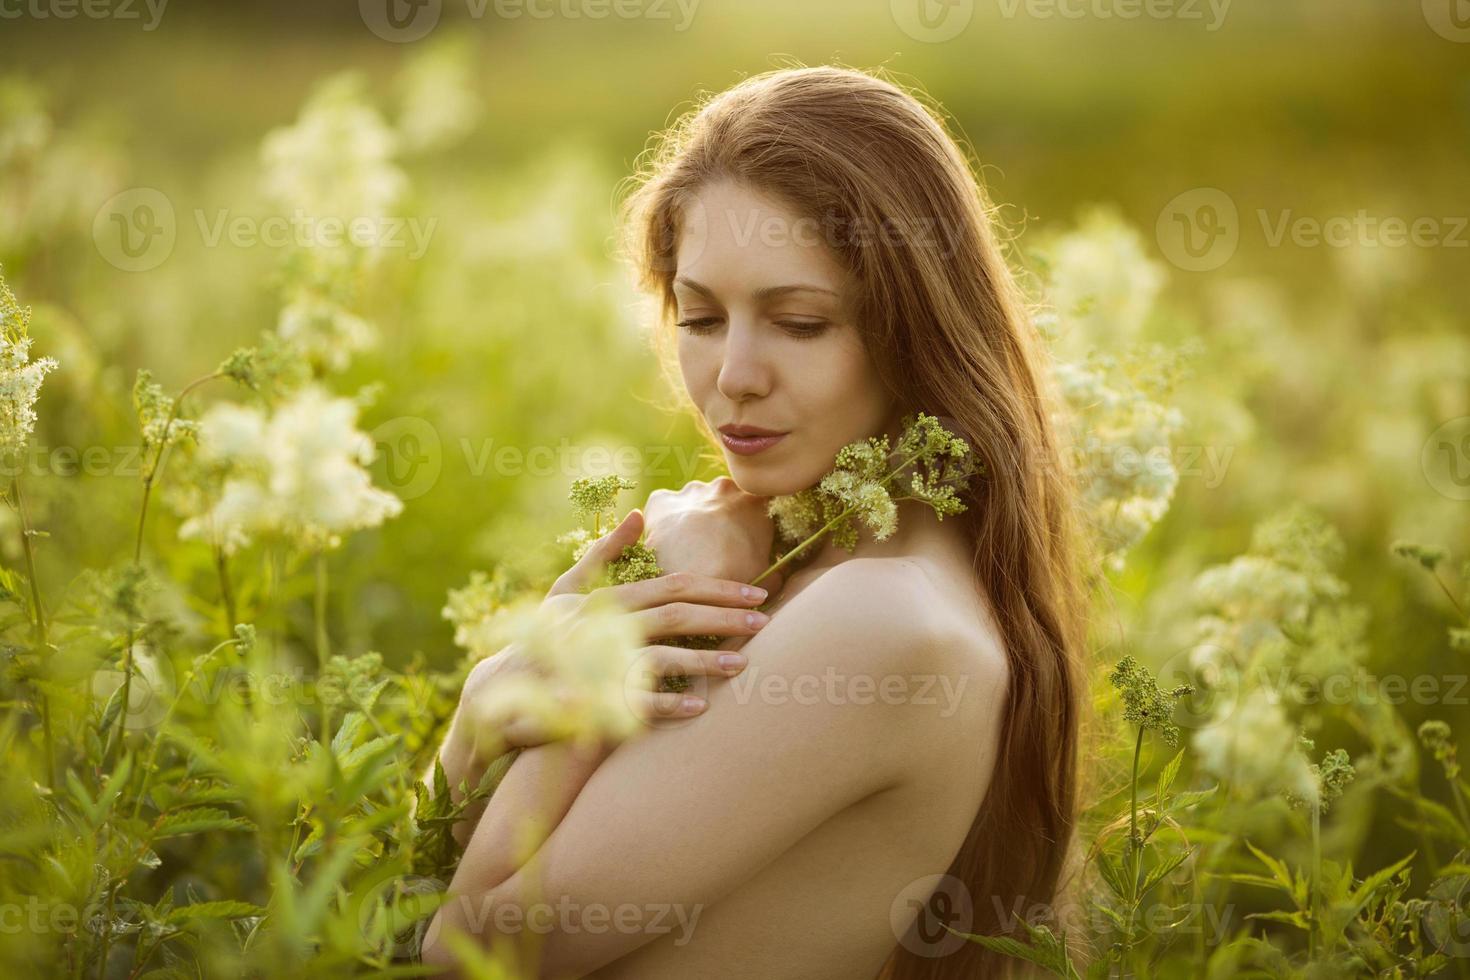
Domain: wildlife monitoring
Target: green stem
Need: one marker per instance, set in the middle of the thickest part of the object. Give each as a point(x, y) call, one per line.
point(1459, 799)
point(1448, 594)
point(227, 595)
point(167, 717)
point(322, 640)
point(1316, 878)
point(38, 623)
point(1135, 851)
point(154, 471)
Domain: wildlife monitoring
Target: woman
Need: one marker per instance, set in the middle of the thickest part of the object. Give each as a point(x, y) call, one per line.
point(900, 735)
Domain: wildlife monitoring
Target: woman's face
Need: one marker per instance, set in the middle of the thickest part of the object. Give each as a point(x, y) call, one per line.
point(766, 339)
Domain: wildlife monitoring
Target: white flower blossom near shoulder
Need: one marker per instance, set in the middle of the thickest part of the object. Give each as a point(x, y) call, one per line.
point(299, 473)
point(582, 672)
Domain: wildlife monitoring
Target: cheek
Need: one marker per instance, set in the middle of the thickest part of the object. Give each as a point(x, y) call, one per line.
point(693, 367)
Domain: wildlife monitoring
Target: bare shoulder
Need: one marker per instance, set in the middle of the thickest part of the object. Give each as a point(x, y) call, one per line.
point(907, 615)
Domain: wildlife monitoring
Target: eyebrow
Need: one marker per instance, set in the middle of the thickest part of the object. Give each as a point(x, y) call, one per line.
point(764, 293)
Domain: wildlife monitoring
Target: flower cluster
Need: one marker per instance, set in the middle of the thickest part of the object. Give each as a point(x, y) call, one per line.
point(1256, 749)
point(473, 608)
point(1144, 705)
point(20, 377)
point(298, 473)
point(1438, 738)
point(1100, 288)
point(1121, 437)
point(337, 159)
point(1277, 611)
point(594, 498)
point(867, 482)
point(581, 665)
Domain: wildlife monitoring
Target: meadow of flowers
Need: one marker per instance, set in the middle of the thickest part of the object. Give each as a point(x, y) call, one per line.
point(275, 482)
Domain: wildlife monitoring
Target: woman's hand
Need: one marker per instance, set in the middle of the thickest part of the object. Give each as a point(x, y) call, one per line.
point(676, 604)
point(714, 529)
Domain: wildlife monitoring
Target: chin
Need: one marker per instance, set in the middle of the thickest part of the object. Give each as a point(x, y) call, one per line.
point(776, 483)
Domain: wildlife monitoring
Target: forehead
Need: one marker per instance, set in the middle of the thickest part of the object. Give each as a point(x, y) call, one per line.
point(735, 239)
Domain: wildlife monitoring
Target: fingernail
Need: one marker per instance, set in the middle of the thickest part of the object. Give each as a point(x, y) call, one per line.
point(732, 661)
point(755, 620)
point(692, 703)
point(753, 592)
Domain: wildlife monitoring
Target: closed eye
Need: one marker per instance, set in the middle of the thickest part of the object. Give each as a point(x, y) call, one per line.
point(699, 325)
point(799, 329)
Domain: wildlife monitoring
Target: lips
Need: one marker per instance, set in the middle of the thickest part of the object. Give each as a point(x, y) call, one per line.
point(748, 431)
point(749, 445)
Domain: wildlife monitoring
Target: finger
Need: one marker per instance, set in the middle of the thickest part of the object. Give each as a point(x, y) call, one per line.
point(687, 587)
point(591, 565)
point(660, 660)
point(692, 619)
point(663, 705)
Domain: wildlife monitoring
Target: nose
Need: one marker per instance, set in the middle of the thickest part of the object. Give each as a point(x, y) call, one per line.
point(744, 370)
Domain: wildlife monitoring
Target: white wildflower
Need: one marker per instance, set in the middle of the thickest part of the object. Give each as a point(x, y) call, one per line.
point(337, 159)
point(324, 332)
point(582, 672)
point(1253, 747)
point(299, 473)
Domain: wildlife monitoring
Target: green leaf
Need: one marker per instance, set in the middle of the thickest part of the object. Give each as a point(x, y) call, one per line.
point(1244, 878)
point(213, 910)
point(197, 820)
point(1278, 868)
point(1167, 777)
point(1111, 874)
point(1161, 870)
point(1360, 896)
point(347, 732)
point(1297, 919)
point(1011, 948)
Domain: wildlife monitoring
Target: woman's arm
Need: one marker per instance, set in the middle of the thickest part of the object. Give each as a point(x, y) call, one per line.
point(681, 816)
point(537, 791)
